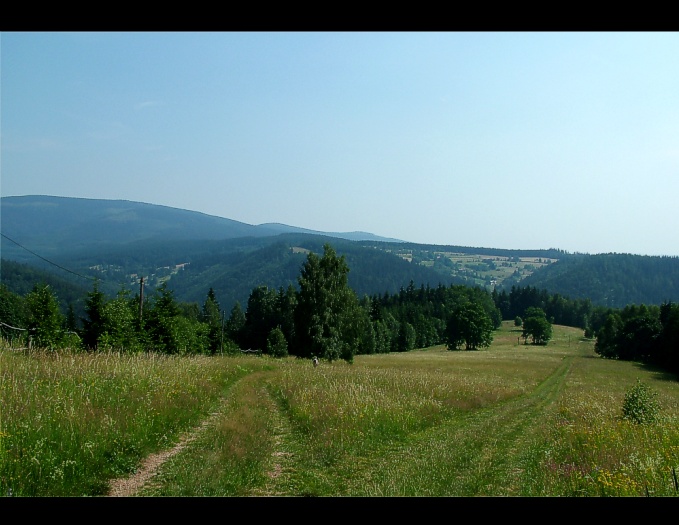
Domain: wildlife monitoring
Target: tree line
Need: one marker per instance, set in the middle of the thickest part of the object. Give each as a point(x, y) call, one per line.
point(324, 317)
point(644, 333)
point(321, 317)
point(648, 334)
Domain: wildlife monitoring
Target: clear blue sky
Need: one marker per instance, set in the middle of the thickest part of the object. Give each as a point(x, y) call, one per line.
point(519, 140)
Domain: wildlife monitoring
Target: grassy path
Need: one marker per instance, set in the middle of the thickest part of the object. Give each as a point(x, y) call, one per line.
point(280, 465)
point(485, 452)
point(489, 452)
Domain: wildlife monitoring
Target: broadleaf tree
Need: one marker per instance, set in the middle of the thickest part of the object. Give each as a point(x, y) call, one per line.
point(325, 304)
point(470, 325)
point(536, 326)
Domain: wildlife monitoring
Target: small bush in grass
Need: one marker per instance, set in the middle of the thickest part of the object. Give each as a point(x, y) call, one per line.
point(640, 405)
point(276, 344)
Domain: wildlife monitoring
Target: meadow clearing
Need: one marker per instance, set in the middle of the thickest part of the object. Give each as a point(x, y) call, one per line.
point(510, 420)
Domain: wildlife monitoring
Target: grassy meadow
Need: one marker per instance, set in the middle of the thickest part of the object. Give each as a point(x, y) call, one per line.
point(510, 420)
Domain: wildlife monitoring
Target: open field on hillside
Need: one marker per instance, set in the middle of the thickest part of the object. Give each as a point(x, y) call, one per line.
point(511, 420)
point(482, 270)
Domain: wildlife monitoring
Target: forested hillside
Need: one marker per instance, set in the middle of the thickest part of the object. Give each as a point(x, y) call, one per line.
point(118, 242)
point(614, 280)
point(232, 268)
point(20, 278)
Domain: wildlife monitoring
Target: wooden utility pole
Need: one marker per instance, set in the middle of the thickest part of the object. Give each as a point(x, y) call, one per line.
point(141, 297)
point(221, 342)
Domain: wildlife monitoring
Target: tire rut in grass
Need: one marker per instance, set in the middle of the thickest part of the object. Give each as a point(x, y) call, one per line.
point(130, 485)
point(516, 428)
point(145, 475)
point(281, 463)
point(482, 453)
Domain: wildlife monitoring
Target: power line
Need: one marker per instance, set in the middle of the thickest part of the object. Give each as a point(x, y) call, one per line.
point(48, 261)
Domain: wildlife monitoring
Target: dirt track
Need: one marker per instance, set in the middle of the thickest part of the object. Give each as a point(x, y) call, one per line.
point(125, 487)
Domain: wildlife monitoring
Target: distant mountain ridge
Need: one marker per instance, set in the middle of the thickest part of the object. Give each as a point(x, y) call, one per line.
point(349, 236)
point(51, 224)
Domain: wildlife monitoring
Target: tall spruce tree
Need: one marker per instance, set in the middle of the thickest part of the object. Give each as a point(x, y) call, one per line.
point(235, 324)
point(45, 320)
point(261, 317)
point(211, 315)
point(93, 324)
point(161, 321)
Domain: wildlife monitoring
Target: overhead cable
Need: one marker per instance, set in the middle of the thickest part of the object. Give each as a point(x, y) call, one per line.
point(48, 261)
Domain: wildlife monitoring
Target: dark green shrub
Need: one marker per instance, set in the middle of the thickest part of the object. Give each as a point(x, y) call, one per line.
point(276, 345)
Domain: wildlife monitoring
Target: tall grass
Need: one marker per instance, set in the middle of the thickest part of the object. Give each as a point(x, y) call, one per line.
point(514, 420)
point(72, 421)
point(596, 452)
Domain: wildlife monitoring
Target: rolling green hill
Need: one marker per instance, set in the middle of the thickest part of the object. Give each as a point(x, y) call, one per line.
point(612, 279)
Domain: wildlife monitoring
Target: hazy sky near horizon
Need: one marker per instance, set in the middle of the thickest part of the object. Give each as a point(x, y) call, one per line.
point(517, 140)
